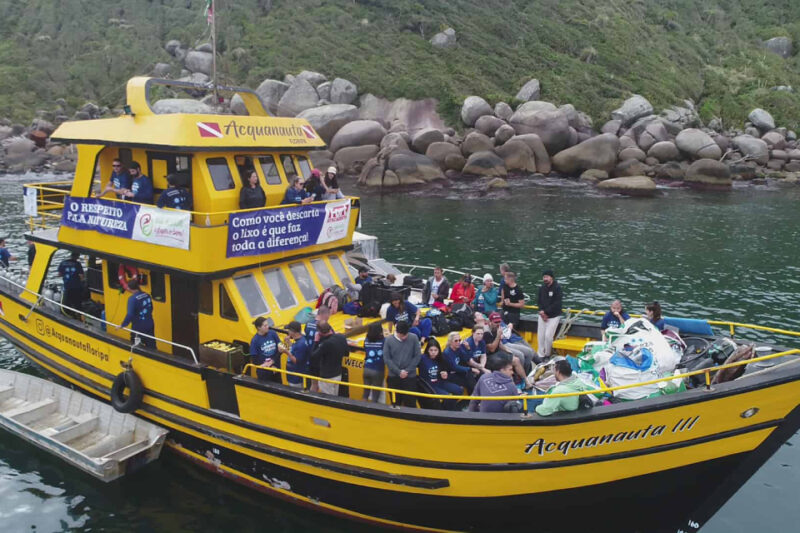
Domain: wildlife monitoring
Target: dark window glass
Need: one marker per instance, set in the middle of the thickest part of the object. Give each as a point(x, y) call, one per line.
point(113, 273)
point(226, 309)
point(305, 168)
point(157, 287)
point(270, 169)
point(206, 299)
point(220, 173)
point(288, 168)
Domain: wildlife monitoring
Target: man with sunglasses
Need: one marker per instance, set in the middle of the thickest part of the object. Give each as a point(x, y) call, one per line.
point(119, 180)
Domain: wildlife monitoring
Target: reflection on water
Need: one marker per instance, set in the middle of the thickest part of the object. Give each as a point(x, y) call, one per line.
point(730, 256)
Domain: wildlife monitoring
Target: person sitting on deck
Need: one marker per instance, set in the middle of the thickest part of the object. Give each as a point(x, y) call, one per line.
point(175, 197)
point(436, 288)
point(486, 298)
point(119, 180)
point(653, 312)
point(295, 194)
point(498, 382)
point(463, 291)
point(566, 383)
point(314, 186)
point(140, 315)
point(494, 344)
point(71, 271)
point(331, 184)
point(5, 255)
point(264, 350)
point(252, 195)
point(433, 370)
point(297, 355)
point(374, 367)
point(363, 276)
point(329, 353)
point(141, 190)
point(475, 348)
point(401, 353)
point(401, 310)
point(614, 318)
point(457, 363)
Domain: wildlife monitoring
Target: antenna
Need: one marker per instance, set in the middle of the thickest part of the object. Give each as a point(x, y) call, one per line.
point(213, 18)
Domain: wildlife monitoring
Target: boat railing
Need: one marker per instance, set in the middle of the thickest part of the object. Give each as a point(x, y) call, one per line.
point(40, 299)
point(249, 369)
point(411, 268)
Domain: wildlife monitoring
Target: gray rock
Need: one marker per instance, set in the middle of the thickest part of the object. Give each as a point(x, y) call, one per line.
point(793, 154)
point(543, 163)
point(172, 47)
point(629, 186)
point(697, 144)
point(321, 159)
point(632, 153)
point(532, 90)
point(780, 45)
point(626, 142)
point(358, 133)
point(5, 132)
point(455, 162)
point(653, 133)
point(497, 183)
point(664, 151)
point(792, 166)
point(761, 119)
point(503, 110)
point(503, 134)
point(438, 152)
point(81, 115)
point(612, 126)
point(181, 105)
point(598, 152)
point(634, 107)
point(774, 140)
point(197, 61)
point(314, 78)
point(709, 174)
point(488, 124)
point(476, 142)
point(631, 167)
point(752, 131)
point(517, 155)
point(551, 126)
point(237, 105)
point(743, 171)
point(300, 95)
point(775, 164)
point(329, 119)
point(533, 106)
point(343, 91)
point(413, 114)
point(288, 79)
point(445, 39)
point(424, 138)
point(270, 93)
point(324, 92)
point(485, 163)
point(671, 171)
point(351, 160)
point(397, 141)
point(594, 175)
point(722, 141)
point(205, 47)
point(752, 148)
point(474, 107)
point(18, 145)
point(780, 154)
point(411, 167)
point(161, 70)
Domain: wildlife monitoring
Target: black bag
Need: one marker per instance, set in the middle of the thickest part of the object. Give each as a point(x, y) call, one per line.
point(371, 310)
point(464, 314)
point(413, 282)
point(455, 323)
point(375, 293)
point(439, 324)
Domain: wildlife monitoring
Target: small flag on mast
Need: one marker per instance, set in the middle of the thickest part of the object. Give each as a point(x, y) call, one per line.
point(209, 12)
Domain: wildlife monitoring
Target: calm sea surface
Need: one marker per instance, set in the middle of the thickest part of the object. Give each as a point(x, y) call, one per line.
point(729, 256)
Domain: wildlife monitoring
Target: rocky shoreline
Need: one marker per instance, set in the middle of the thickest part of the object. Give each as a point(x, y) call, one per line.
point(405, 145)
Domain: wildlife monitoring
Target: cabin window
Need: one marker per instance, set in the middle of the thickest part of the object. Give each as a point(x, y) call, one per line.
point(244, 163)
point(182, 163)
point(303, 279)
point(226, 309)
point(305, 167)
point(341, 272)
point(270, 169)
point(125, 156)
point(323, 273)
point(288, 167)
point(251, 294)
point(157, 287)
point(220, 173)
point(205, 302)
point(280, 288)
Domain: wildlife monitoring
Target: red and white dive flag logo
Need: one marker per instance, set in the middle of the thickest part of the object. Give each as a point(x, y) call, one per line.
point(209, 129)
point(309, 132)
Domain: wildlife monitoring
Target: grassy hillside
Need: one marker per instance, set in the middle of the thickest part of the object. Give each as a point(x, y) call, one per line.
point(590, 54)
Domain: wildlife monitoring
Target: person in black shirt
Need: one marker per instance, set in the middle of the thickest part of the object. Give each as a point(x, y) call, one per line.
point(513, 300)
point(31, 252)
point(252, 195)
point(175, 197)
point(332, 349)
point(549, 302)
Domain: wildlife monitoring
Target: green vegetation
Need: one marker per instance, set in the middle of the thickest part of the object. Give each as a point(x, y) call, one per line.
point(590, 54)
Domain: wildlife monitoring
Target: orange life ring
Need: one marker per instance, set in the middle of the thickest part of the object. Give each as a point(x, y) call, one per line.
point(127, 273)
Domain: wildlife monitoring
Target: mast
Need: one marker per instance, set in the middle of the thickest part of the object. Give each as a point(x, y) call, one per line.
point(213, 16)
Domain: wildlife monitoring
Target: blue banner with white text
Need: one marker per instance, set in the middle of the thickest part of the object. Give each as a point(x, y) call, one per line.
point(96, 214)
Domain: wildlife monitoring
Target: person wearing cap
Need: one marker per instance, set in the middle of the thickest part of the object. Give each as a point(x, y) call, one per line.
point(141, 190)
point(315, 187)
point(463, 291)
point(486, 299)
point(297, 357)
point(332, 190)
point(119, 180)
point(175, 197)
point(264, 350)
point(252, 195)
point(332, 349)
point(296, 194)
point(363, 277)
point(549, 302)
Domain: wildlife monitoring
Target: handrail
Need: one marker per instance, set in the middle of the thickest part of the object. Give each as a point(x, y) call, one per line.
point(41, 297)
point(426, 267)
point(524, 398)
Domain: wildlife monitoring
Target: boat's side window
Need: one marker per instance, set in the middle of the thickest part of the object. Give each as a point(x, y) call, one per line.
point(220, 173)
point(157, 287)
point(280, 288)
point(305, 167)
point(244, 163)
point(205, 302)
point(288, 167)
point(226, 309)
point(270, 169)
point(338, 267)
point(251, 294)
point(323, 273)
point(304, 281)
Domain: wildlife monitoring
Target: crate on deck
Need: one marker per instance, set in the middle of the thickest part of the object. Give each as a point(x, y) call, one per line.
point(222, 355)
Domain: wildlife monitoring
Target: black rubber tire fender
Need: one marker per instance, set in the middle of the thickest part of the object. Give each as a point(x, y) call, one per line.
point(127, 380)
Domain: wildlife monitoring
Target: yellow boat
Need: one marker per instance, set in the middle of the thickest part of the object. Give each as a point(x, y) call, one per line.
point(657, 464)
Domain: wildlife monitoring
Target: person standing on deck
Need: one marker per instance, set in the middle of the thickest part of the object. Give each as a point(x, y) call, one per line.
point(252, 195)
point(5, 255)
point(297, 355)
point(330, 352)
point(549, 302)
point(141, 190)
point(71, 271)
point(513, 299)
point(264, 350)
point(140, 315)
point(436, 289)
point(175, 197)
point(31, 252)
point(401, 353)
point(118, 182)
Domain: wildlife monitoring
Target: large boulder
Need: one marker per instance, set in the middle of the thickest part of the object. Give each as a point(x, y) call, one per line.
point(181, 105)
point(533, 106)
point(664, 151)
point(632, 153)
point(633, 108)
point(196, 61)
point(424, 138)
point(629, 186)
point(410, 166)
point(708, 174)
point(653, 133)
point(438, 151)
point(503, 134)
point(300, 95)
point(631, 167)
point(237, 105)
point(270, 93)
point(612, 126)
point(530, 91)
point(774, 140)
point(343, 91)
point(328, 119)
point(697, 144)
point(408, 115)
point(598, 152)
point(474, 107)
point(761, 119)
point(161, 70)
point(752, 148)
point(324, 92)
point(314, 78)
point(350, 160)
point(551, 126)
point(485, 163)
point(173, 46)
point(671, 170)
point(396, 141)
point(517, 155)
point(503, 110)
point(476, 141)
point(444, 39)
point(488, 124)
point(534, 142)
point(455, 162)
point(358, 133)
point(780, 45)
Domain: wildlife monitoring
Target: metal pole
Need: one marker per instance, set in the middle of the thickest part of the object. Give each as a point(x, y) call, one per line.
point(214, 51)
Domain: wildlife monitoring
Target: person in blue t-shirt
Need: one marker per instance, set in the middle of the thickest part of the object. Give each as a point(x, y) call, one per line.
point(456, 362)
point(296, 194)
point(5, 255)
point(264, 350)
point(141, 190)
point(175, 197)
point(653, 312)
point(475, 349)
point(433, 370)
point(374, 367)
point(71, 271)
point(401, 310)
point(140, 315)
point(118, 182)
point(614, 318)
point(298, 355)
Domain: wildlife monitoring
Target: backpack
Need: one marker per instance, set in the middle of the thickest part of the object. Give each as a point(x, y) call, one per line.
point(439, 324)
point(371, 309)
point(464, 314)
point(328, 299)
point(352, 308)
point(341, 294)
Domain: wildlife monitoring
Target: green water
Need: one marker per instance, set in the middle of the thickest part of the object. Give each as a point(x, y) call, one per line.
point(729, 256)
